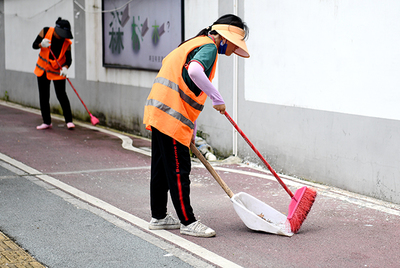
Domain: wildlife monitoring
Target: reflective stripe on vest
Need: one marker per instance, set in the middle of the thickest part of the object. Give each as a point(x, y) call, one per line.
point(170, 111)
point(186, 98)
point(171, 106)
point(44, 64)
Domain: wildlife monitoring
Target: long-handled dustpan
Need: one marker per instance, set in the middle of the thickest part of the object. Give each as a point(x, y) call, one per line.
point(255, 214)
point(302, 199)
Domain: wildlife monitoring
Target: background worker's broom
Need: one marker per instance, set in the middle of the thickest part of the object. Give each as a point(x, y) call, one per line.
point(303, 198)
point(93, 119)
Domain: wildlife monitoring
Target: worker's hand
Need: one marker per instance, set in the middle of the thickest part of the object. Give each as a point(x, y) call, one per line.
point(45, 43)
point(221, 108)
point(64, 71)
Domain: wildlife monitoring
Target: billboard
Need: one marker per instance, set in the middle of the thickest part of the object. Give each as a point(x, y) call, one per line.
point(140, 33)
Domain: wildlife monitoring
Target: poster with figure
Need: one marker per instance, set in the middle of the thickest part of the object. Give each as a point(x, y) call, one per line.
point(138, 34)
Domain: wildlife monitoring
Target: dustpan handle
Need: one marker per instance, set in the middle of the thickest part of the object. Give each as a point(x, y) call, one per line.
point(211, 170)
point(259, 154)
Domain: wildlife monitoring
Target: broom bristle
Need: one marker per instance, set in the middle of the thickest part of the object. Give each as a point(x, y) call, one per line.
point(94, 120)
point(300, 206)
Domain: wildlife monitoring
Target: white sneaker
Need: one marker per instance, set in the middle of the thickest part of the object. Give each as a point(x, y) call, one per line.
point(167, 223)
point(197, 229)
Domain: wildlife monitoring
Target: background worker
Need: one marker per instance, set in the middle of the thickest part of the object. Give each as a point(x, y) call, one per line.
point(175, 101)
point(58, 40)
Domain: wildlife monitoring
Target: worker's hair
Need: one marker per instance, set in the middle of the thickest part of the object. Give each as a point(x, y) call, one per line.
point(228, 19)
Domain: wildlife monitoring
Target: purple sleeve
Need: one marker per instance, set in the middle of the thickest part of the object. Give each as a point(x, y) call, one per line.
point(196, 73)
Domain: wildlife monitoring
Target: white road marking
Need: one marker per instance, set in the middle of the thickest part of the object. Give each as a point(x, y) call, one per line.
point(97, 170)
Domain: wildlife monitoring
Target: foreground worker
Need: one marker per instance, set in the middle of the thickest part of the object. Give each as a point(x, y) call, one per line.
point(175, 101)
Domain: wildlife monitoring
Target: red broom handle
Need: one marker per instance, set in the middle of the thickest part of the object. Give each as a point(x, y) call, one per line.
point(59, 65)
point(258, 153)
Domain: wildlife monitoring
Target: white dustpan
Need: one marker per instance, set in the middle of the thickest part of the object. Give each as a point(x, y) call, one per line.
point(255, 214)
point(258, 216)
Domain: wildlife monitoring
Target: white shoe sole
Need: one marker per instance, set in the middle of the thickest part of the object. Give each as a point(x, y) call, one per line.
point(164, 227)
point(198, 234)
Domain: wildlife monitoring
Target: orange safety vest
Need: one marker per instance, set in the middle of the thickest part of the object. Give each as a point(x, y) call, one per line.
point(44, 64)
point(172, 107)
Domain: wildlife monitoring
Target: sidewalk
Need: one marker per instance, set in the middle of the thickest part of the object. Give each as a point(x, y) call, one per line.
point(73, 190)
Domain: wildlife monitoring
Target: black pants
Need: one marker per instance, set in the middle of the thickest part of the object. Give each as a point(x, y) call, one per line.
point(44, 98)
point(170, 169)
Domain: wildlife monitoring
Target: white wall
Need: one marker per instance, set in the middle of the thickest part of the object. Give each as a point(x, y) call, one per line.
point(340, 56)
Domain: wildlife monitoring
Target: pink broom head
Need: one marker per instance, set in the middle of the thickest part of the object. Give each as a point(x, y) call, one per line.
point(299, 207)
point(94, 120)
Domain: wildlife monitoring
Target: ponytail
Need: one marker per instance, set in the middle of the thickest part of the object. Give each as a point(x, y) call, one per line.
point(205, 31)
